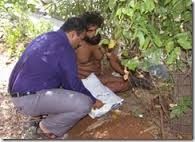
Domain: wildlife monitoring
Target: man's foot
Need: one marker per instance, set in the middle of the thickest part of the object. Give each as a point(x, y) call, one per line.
point(45, 133)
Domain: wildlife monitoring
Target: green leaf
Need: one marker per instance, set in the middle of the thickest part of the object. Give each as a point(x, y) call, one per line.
point(149, 5)
point(157, 40)
point(119, 12)
point(187, 16)
point(184, 40)
point(185, 44)
point(124, 10)
point(155, 37)
point(127, 11)
point(167, 1)
point(132, 3)
point(178, 8)
point(130, 12)
point(183, 35)
point(142, 8)
point(169, 46)
point(118, 33)
point(140, 35)
point(146, 43)
point(186, 101)
point(182, 106)
point(176, 113)
point(104, 41)
point(173, 56)
point(111, 4)
point(125, 53)
point(189, 3)
point(126, 34)
point(131, 63)
point(33, 2)
point(145, 64)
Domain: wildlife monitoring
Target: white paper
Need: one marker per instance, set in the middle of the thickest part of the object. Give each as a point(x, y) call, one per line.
point(102, 93)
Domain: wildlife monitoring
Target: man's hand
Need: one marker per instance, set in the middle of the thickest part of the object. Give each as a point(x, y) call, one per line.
point(98, 104)
point(112, 57)
point(126, 75)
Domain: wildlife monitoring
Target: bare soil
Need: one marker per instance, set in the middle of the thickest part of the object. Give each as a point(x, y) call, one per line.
point(119, 127)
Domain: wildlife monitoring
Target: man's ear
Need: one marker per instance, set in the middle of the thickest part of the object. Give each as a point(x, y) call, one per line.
point(73, 34)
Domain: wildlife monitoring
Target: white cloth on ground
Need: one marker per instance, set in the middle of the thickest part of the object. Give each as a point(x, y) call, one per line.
point(102, 93)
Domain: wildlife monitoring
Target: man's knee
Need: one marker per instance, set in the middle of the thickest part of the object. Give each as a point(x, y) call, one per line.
point(84, 105)
point(119, 86)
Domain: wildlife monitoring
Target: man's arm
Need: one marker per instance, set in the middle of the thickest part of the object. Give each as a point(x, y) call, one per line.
point(117, 66)
point(69, 71)
point(85, 69)
point(71, 80)
point(88, 67)
point(115, 63)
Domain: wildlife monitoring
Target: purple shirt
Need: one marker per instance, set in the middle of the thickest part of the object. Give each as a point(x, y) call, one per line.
point(48, 62)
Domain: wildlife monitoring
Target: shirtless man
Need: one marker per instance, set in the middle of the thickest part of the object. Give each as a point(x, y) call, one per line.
point(90, 55)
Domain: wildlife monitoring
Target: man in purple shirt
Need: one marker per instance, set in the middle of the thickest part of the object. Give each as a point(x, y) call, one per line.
point(45, 80)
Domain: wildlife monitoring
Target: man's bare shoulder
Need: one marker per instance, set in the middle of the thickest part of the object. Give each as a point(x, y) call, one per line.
point(84, 43)
point(84, 47)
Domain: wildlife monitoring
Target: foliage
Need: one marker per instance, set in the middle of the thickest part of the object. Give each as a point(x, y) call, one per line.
point(17, 36)
point(161, 30)
point(183, 105)
point(64, 8)
point(13, 6)
point(110, 43)
point(131, 63)
point(21, 29)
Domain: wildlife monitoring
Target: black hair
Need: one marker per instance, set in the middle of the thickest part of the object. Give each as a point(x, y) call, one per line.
point(92, 18)
point(93, 40)
point(74, 24)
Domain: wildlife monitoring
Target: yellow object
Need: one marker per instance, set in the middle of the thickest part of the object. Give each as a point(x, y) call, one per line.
point(112, 44)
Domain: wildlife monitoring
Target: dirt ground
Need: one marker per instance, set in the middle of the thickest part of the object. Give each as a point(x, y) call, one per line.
point(134, 119)
point(121, 127)
point(115, 125)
